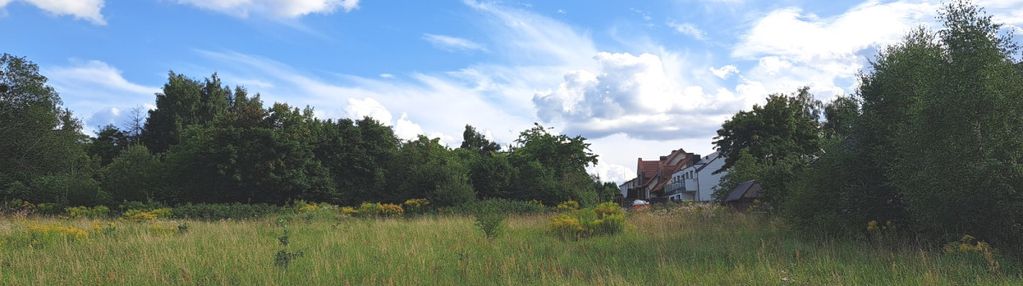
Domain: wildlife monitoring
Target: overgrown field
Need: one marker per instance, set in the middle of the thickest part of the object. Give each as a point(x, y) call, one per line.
point(684, 246)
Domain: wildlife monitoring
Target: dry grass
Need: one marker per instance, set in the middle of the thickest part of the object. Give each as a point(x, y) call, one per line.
point(684, 246)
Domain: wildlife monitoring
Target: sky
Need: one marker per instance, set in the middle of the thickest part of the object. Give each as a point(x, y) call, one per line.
point(636, 78)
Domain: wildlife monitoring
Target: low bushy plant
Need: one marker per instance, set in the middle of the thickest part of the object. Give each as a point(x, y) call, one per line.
point(223, 211)
point(416, 206)
point(87, 212)
point(391, 210)
point(490, 219)
point(146, 215)
point(603, 219)
point(568, 206)
point(502, 205)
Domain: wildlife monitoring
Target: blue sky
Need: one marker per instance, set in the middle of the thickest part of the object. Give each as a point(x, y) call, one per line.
point(639, 78)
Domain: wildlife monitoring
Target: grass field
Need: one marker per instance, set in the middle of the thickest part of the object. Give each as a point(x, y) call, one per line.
point(680, 247)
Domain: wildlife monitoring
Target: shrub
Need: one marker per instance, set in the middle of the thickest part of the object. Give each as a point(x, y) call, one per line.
point(369, 210)
point(223, 211)
point(349, 211)
point(391, 210)
point(376, 210)
point(492, 223)
point(502, 205)
point(146, 216)
point(17, 207)
point(566, 226)
point(970, 246)
point(568, 206)
point(604, 219)
point(87, 212)
point(416, 206)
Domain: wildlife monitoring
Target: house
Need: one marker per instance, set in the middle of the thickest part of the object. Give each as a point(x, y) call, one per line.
point(623, 189)
point(653, 175)
point(744, 194)
point(698, 181)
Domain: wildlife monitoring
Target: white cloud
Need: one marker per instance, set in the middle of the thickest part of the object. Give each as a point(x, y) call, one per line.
point(725, 71)
point(281, 9)
point(793, 48)
point(688, 29)
point(452, 44)
point(610, 172)
point(368, 107)
point(98, 91)
point(89, 10)
point(406, 129)
point(633, 95)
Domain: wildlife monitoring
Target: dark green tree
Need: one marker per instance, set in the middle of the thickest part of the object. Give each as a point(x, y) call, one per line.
point(42, 158)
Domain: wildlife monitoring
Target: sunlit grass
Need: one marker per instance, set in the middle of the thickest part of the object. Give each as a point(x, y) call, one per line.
point(657, 248)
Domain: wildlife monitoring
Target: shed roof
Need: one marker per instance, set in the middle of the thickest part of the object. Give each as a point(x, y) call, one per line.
point(748, 189)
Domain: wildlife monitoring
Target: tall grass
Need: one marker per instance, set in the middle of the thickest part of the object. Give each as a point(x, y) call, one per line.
point(666, 247)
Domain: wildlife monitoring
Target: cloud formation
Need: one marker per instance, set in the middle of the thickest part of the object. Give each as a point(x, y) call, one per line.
point(793, 48)
point(280, 9)
point(634, 95)
point(452, 44)
point(688, 29)
point(99, 92)
point(88, 10)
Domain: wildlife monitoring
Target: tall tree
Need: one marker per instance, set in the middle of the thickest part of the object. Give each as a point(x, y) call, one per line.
point(473, 140)
point(42, 158)
point(183, 102)
point(787, 125)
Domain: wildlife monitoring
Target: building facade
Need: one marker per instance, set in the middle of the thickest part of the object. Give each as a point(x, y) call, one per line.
point(652, 176)
point(698, 181)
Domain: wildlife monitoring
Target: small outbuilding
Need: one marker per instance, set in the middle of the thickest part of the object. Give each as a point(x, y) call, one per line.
point(744, 194)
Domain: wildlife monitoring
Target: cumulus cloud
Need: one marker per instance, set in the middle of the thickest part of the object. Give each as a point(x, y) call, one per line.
point(98, 91)
point(725, 71)
point(88, 10)
point(368, 107)
point(634, 95)
point(452, 44)
point(282, 9)
point(793, 48)
point(610, 172)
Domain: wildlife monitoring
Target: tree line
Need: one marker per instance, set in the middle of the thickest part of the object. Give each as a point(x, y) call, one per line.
point(931, 143)
point(206, 142)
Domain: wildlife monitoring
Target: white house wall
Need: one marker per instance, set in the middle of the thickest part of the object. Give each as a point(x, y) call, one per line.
point(708, 180)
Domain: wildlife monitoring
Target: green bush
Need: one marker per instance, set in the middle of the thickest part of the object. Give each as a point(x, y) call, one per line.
point(416, 206)
point(568, 206)
point(87, 212)
point(604, 219)
point(490, 219)
point(491, 223)
point(375, 210)
point(146, 215)
point(223, 211)
point(502, 205)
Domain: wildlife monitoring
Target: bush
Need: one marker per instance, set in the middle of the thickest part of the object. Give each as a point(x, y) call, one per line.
point(377, 210)
point(223, 211)
point(491, 223)
point(416, 206)
point(501, 205)
point(566, 226)
point(17, 207)
point(391, 210)
point(568, 206)
point(87, 212)
point(146, 215)
point(604, 219)
point(490, 219)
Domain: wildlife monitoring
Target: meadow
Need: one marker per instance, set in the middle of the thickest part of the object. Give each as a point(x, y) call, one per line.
point(679, 246)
